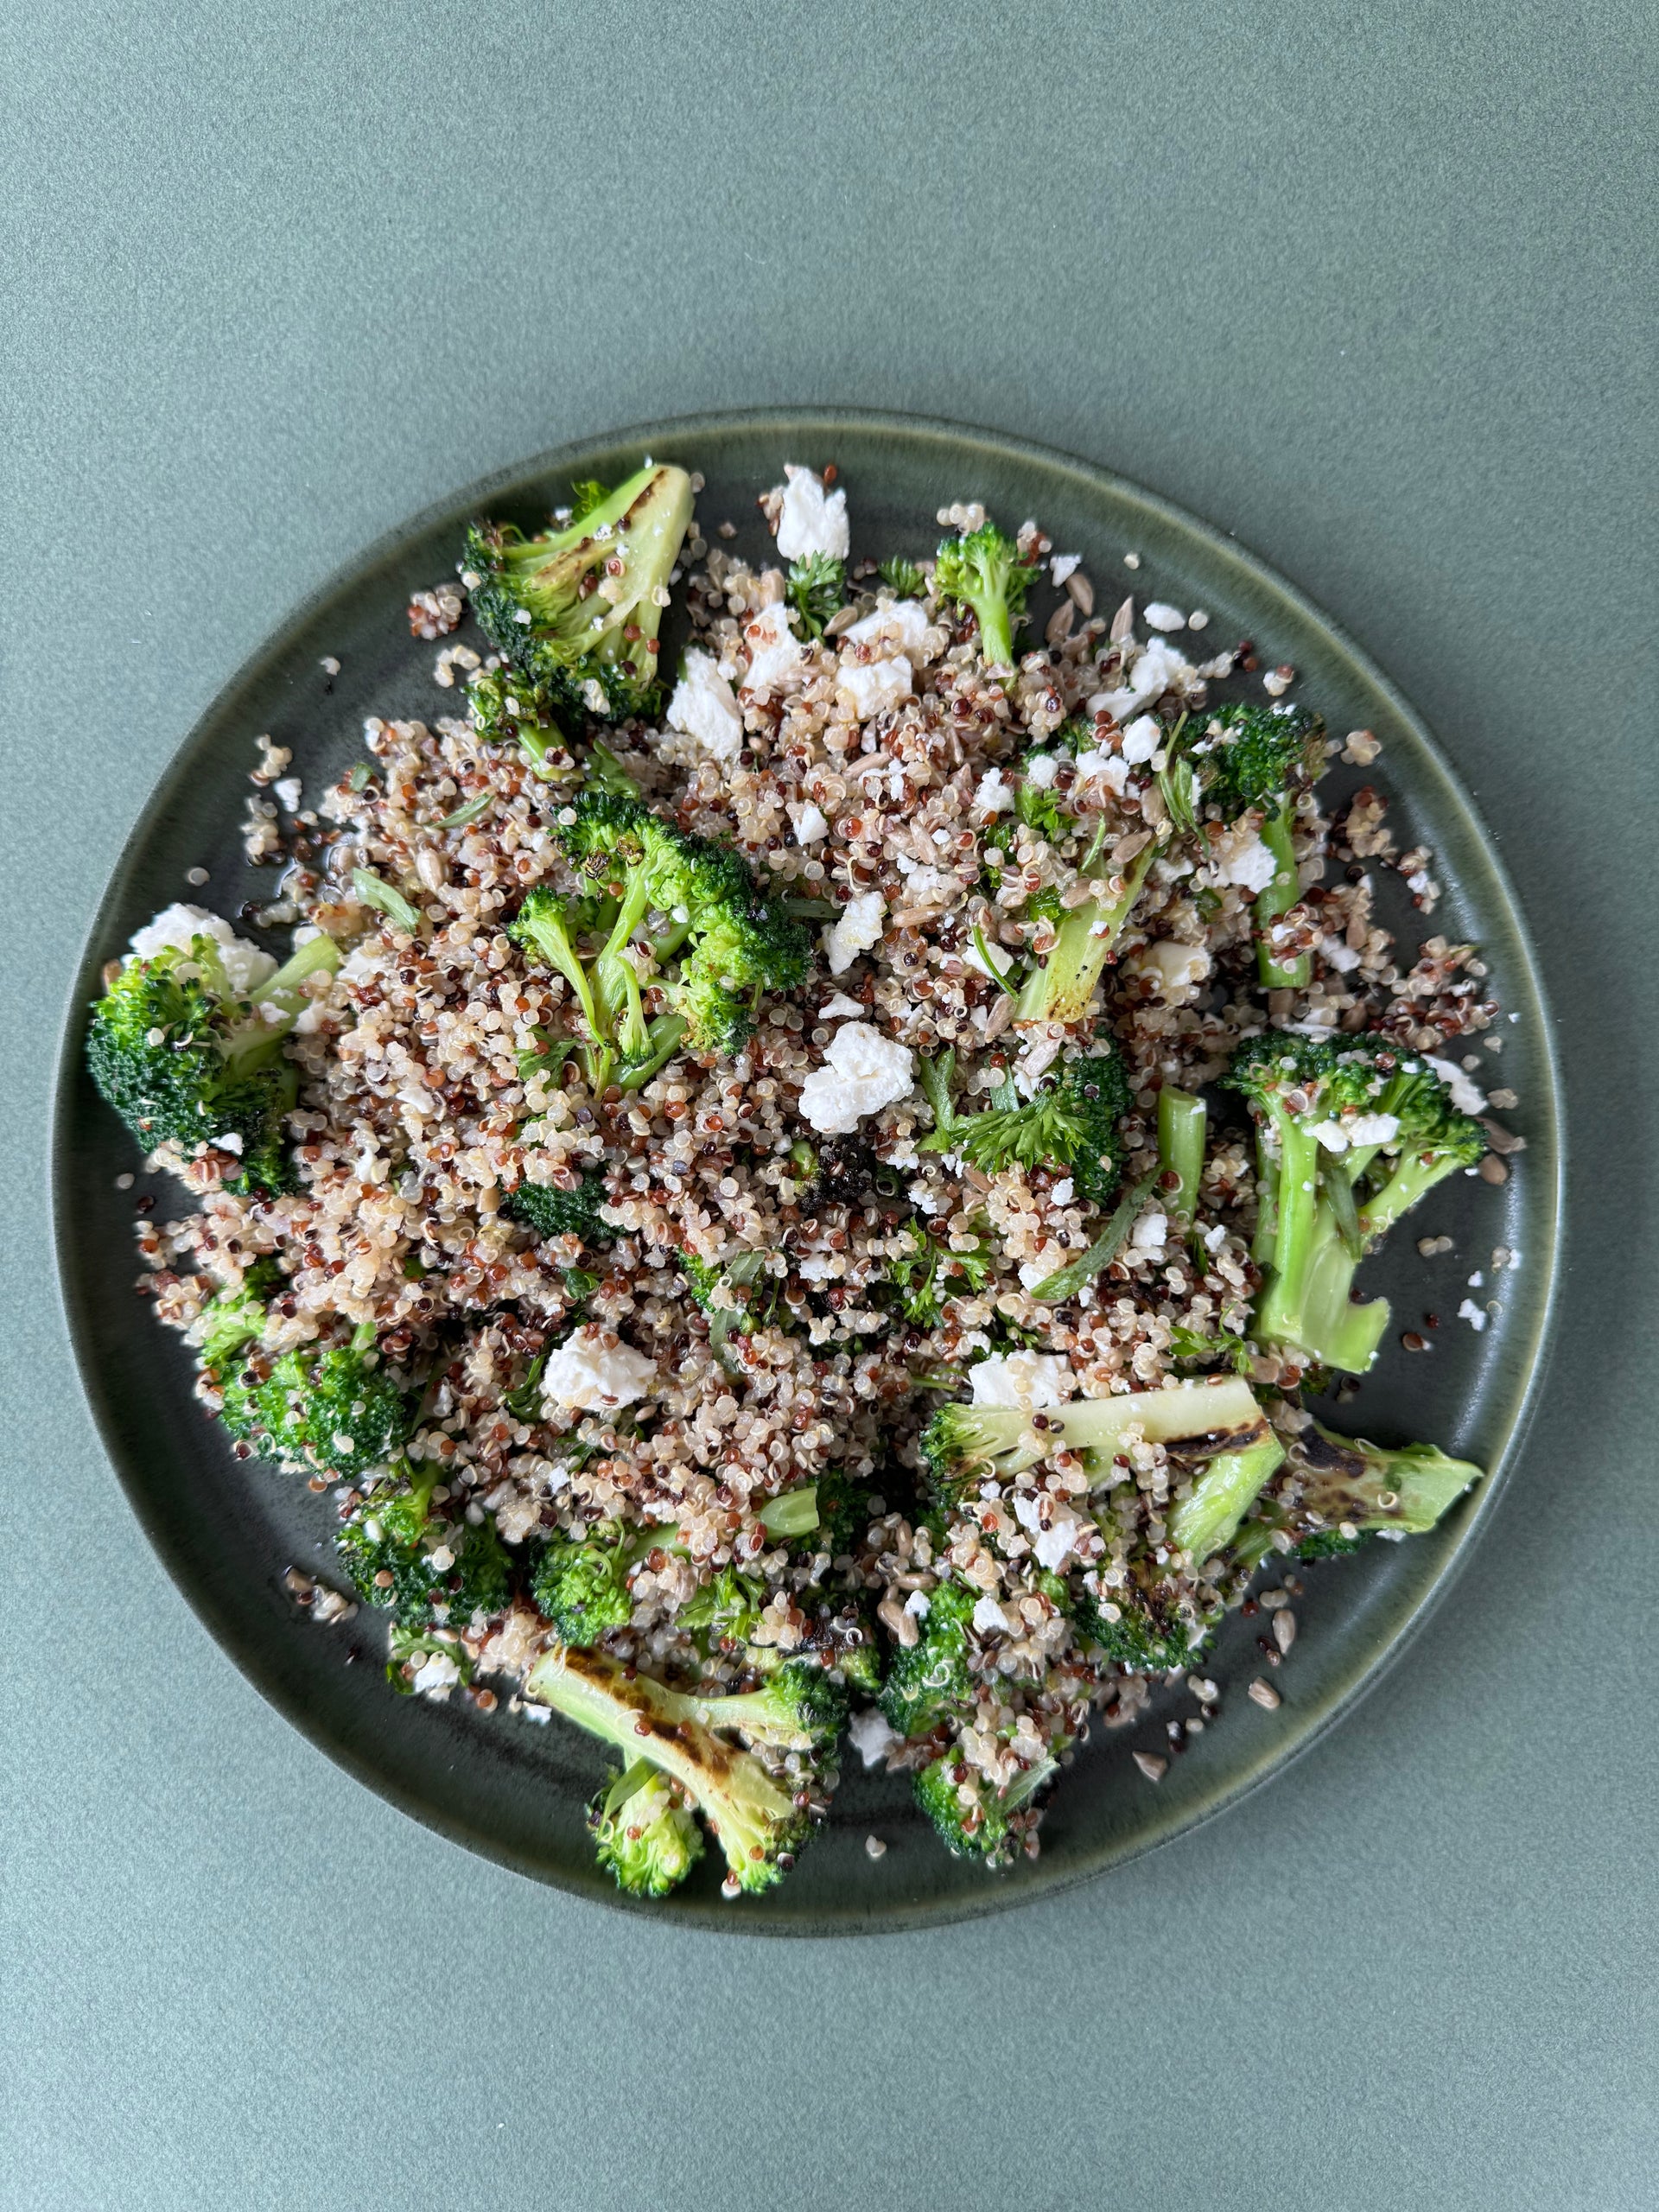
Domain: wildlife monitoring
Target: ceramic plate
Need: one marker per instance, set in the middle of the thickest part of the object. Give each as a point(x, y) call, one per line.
point(513, 1790)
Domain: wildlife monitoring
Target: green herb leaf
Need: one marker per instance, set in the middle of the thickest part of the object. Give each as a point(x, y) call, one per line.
point(1068, 1282)
point(373, 892)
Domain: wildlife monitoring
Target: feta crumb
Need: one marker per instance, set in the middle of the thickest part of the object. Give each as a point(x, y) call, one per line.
point(1176, 969)
point(810, 823)
point(1338, 953)
point(1031, 1379)
point(1374, 1129)
point(1041, 770)
point(176, 926)
point(902, 621)
point(875, 686)
point(705, 708)
point(1465, 1095)
point(863, 1072)
point(872, 1738)
point(1063, 565)
point(993, 795)
point(1216, 1237)
point(1238, 856)
point(437, 1676)
point(1052, 1545)
point(1159, 668)
point(1141, 741)
point(1160, 615)
point(855, 930)
point(1473, 1314)
point(842, 1005)
point(811, 520)
point(1332, 1136)
point(1150, 1232)
point(582, 1374)
point(286, 790)
point(988, 1616)
point(918, 1604)
point(1064, 1191)
point(774, 650)
point(1477, 1281)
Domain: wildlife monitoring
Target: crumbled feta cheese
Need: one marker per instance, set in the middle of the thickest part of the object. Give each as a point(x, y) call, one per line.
point(989, 1617)
point(1176, 969)
point(809, 822)
point(918, 1604)
point(1373, 1129)
point(875, 686)
point(774, 650)
point(1150, 1233)
point(1477, 1281)
point(1238, 856)
point(842, 1005)
point(811, 520)
point(584, 1375)
point(872, 1738)
point(1465, 1095)
point(1053, 1544)
point(855, 930)
point(436, 1676)
point(1332, 1136)
point(993, 795)
point(1216, 1237)
point(1033, 1380)
point(1063, 565)
point(1159, 668)
point(863, 1072)
point(176, 926)
point(901, 622)
point(286, 790)
point(1141, 741)
point(1162, 616)
point(1109, 767)
point(1338, 953)
point(703, 706)
point(1473, 1314)
point(1064, 1191)
point(1041, 770)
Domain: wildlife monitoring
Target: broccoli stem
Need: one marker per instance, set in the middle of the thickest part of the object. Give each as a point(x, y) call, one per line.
point(1415, 1174)
point(1061, 988)
point(1277, 899)
point(255, 1044)
point(1204, 1522)
point(1182, 1119)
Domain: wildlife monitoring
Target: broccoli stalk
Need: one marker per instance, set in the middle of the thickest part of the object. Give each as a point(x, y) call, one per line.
point(643, 1832)
point(1182, 1122)
point(1206, 1520)
point(577, 610)
point(755, 1818)
point(1060, 989)
point(1276, 901)
point(965, 1445)
point(984, 571)
point(178, 1055)
point(729, 940)
point(1339, 1489)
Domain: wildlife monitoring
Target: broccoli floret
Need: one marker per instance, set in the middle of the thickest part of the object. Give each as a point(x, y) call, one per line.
point(234, 1318)
point(1147, 1636)
point(929, 1272)
point(1434, 1140)
point(797, 1709)
point(1295, 1086)
point(593, 591)
point(326, 1408)
point(643, 1832)
point(552, 1212)
point(180, 1056)
point(508, 709)
point(817, 586)
point(724, 1609)
point(966, 1445)
point(926, 1679)
point(729, 941)
point(402, 1556)
point(1345, 1481)
point(758, 1823)
point(583, 1586)
point(972, 1820)
point(1071, 1124)
point(984, 571)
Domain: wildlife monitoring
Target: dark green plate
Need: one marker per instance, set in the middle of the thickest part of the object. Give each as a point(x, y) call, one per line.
point(514, 1790)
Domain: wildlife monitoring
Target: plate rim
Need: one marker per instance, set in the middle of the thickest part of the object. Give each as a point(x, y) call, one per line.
point(233, 1632)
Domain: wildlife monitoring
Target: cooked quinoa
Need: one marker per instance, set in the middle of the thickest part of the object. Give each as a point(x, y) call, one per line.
point(781, 1281)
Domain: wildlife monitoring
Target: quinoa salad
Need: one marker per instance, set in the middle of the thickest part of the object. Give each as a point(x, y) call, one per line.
point(790, 1203)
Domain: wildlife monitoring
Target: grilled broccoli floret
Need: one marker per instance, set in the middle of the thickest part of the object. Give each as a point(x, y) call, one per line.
point(1337, 1489)
point(1325, 1193)
point(1071, 1124)
point(756, 1819)
point(583, 1585)
point(966, 1445)
point(643, 1833)
point(817, 586)
point(402, 1556)
point(552, 1212)
point(179, 1055)
point(984, 571)
point(328, 1409)
point(929, 1679)
point(577, 610)
point(797, 1708)
point(972, 1820)
point(729, 941)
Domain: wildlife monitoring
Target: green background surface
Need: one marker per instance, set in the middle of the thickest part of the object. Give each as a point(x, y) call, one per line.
point(1372, 289)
